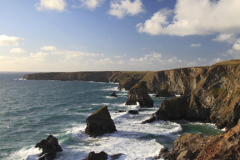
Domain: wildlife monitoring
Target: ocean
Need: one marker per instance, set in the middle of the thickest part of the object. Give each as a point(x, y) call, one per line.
point(30, 110)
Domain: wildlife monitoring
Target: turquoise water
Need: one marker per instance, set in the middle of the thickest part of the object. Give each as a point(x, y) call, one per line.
point(31, 110)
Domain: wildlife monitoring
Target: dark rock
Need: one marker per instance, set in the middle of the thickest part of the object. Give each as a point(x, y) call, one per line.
point(195, 146)
point(119, 111)
point(133, 111)
point(139, 93)
point(99, 123)
point(116, 156)
point(164, 93)
point(162, 153)
point(97, 156)
point(150, 120)
point(49, 148)
point(102, 156)
point(113, 94)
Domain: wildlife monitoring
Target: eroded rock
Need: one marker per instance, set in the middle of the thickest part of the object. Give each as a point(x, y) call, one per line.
point(99, 123)
point(49, 148)
point(139, 93)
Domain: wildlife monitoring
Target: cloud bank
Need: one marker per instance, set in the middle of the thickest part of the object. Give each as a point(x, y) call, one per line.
point(195, 17)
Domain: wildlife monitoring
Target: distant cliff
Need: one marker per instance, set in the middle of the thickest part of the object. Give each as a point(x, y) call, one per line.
point(102, 76)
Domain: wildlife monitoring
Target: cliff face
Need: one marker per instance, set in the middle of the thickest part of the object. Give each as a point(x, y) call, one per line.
point(214, 98)
point(176, 81)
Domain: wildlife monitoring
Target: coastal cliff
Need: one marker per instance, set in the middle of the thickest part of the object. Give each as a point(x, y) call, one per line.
point(101, 76)
point(215, 97)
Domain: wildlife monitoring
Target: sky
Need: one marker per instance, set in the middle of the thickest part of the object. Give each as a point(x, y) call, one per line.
point(117, 35)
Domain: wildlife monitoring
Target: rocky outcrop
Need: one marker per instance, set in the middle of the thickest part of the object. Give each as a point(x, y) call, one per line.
point(97, 156)
point(49, 148)
point(113, 94)
point(139, 93)
point(133, 112)
point(99, 123)
point(195, 146)
point(215, 98)
point(164, 93)
point(102, 156)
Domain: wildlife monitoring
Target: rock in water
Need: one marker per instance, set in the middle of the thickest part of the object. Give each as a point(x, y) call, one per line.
point(97, 156)
point(99, 123)
point(49, 148)
point(113, 94)
point(133, 111)
point(139, 93)
point(102, 156)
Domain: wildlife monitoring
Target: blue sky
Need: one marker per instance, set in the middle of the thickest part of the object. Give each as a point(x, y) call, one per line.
point(125, 35)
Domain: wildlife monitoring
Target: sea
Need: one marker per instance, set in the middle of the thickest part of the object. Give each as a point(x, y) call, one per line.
point(30, 110)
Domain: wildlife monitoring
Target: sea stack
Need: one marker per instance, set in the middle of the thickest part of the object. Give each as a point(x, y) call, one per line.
point(99, 123)
point(113, 94)
point(49, 148)
point(139, 93)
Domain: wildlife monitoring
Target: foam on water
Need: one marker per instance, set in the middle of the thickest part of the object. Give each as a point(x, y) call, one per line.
point(110, 89)
point(28, 153)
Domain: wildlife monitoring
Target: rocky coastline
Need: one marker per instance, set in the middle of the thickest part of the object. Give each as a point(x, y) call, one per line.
point(208, 94)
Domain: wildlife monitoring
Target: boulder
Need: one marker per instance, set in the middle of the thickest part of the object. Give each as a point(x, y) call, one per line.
point(139, 93)
point(164, 93)
point(49, 148)
point(99, 123)
point(133, 111)
point(119, 111)
point(102, 156)
point(97, 156)
point(113, 94)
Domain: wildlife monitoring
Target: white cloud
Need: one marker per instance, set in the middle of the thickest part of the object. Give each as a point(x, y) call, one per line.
point(17, 50)
point(216, 60)
point(236, 45)
point(58, 5)
point(195, 17)
point(235, 50)
point(9, 40)
point(200, 59)
point(121, 62)
point(103, 61)
point(224, 37)
point(49, 48)
point(121, 8)
point(90, 4)
point(75, 54)
point(120, 56)
point(196, 45)
point(149, 58)
point(38, 55)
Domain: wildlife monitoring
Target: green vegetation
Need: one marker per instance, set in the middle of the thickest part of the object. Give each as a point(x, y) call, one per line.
point(230, 62)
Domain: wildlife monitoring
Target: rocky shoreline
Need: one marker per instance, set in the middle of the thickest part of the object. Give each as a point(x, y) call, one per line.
point(209, 94)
